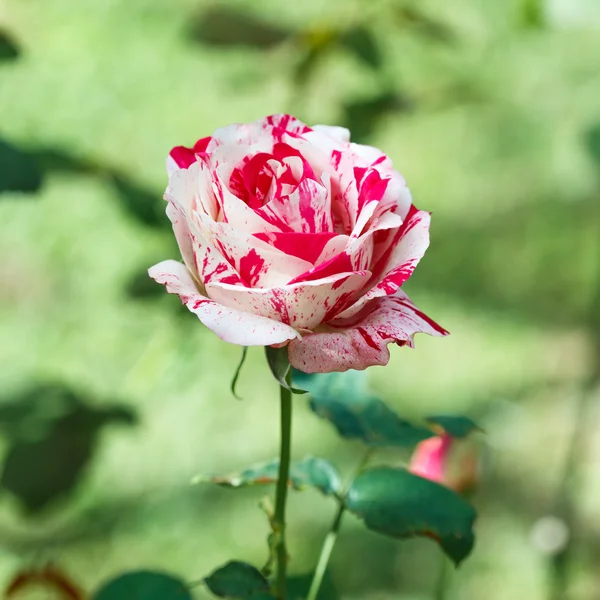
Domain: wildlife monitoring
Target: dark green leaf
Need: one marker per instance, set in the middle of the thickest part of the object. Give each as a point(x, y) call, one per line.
point(399, 504)
point(237, 580)
point(456, 426)
point(312, 46)
point(592, 142)
point(277, 358)
point(343, 399)
point(362, 117)
point(299, 585)
point(237, 372)
point(228, 26)
point(144, 585)
point(19, 171)
point(309, 472)
point(143, 204)
point(363, 44)
point(8, 48)
point(52, 436)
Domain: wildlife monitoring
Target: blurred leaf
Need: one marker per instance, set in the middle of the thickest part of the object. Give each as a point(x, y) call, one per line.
point(48, 577)
point(299, 585)
point(8, 47)
point(592, 142)
point(532, 14)
point(229, 26)
point(55, 159)
point(456, 426)
point(277, 358)
point(142, 287)
point(409, 16)
point(363, 44)
point(237, 580)
point(19, 172)
point(344, 399)
point(146, 206)
point(362, 117)
point(144, 585)
point(399, 504)
point(52, 435)
point(313, 45)
point(309, 472)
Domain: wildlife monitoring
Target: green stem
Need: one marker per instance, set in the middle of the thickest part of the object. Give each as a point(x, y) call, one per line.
point(332, 535)
point(281, 491)
point(326, 551)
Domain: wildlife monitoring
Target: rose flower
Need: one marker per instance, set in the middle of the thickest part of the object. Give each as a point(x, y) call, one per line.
point(291, 235)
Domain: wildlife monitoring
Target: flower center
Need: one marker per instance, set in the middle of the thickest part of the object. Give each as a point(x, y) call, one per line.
point(264, 176)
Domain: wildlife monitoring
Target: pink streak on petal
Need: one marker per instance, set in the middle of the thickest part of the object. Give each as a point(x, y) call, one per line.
point(361, 341)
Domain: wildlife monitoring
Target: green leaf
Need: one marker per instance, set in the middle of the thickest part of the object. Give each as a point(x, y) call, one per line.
point(52, 435)
point(532, 14)
point(363, 44)
point(237, 580)
point(343, 399)
point(19, 171)
point(280, 367)
point(237, 372)
point(399, 504)
point(456, 426)
point(8, 48)
point(363, 116)
point(309, 472)
point(592, 142)
point(231, 27)
point(299, 585)
point(424, 25)
point(144, 585)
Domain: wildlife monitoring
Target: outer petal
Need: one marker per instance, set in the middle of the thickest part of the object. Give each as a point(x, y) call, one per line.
point(231, 325)
point(361, 341)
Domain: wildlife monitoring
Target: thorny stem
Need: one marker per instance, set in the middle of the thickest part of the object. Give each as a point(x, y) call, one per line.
point(281, 491)
point(332, 535)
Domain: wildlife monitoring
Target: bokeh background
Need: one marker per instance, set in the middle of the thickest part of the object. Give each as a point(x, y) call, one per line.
point(112, 397)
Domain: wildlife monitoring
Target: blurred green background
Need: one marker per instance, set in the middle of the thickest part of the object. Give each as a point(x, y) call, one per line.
point(113, 397)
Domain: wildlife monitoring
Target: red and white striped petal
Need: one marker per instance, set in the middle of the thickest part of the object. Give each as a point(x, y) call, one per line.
point(394, 263)
point(303, 305)
point(231, 325)
point(361, 341)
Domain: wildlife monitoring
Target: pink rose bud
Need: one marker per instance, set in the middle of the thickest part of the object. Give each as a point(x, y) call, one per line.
point(291, 235)
point(453, 462)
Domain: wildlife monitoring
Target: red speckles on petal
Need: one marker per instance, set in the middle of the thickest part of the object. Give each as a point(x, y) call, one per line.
point(365, 336)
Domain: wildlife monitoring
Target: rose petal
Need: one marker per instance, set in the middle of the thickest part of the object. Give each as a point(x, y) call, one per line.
point(307, 246)
point(303, 305)
point(361, 341)
point(340, 134)
point(397, 261)
point(231, 325)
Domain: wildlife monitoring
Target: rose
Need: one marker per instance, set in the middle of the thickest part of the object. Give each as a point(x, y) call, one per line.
point(293, 235)
point(448, 460)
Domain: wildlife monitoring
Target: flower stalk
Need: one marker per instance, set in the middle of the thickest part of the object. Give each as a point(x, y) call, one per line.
point(279, 524)
point(334, 530)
